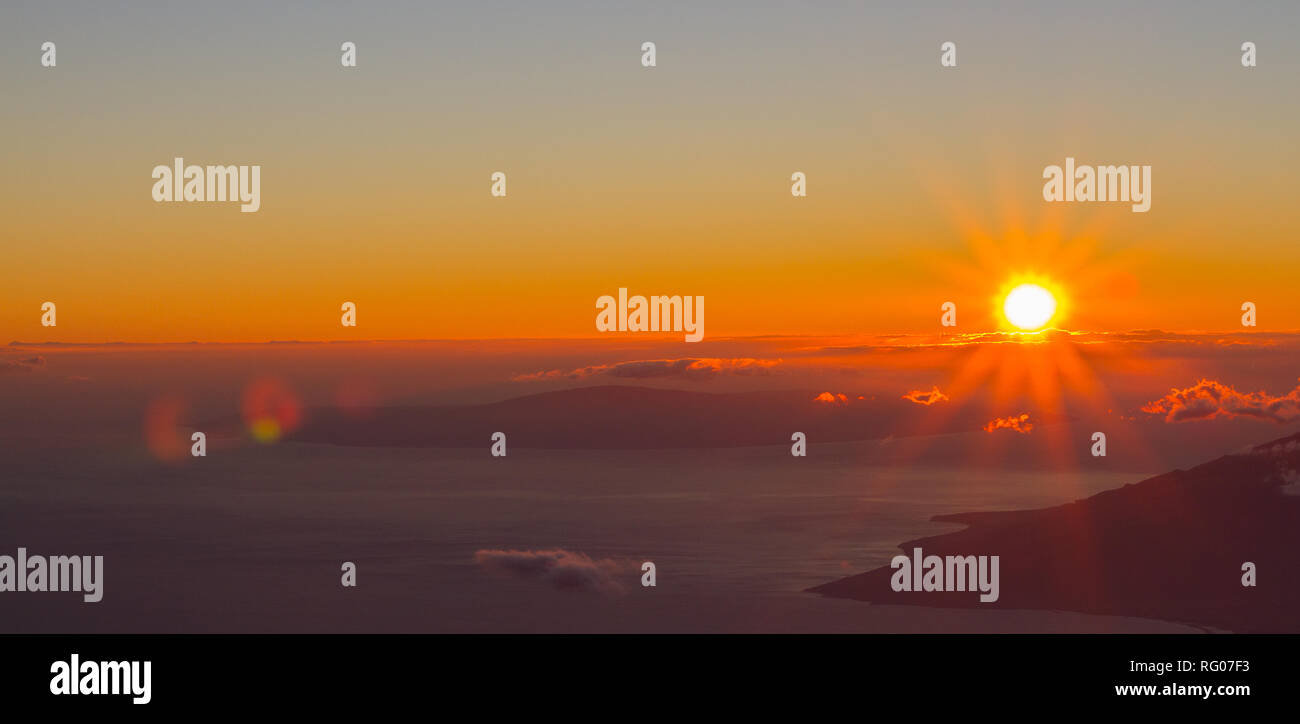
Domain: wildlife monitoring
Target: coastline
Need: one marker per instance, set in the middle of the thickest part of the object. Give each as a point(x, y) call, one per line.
point(1171, 548)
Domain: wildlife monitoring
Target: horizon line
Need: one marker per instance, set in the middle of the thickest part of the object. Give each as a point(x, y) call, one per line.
point(631, 335)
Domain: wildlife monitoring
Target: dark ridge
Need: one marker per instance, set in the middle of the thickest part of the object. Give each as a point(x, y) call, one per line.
point(1170, 547)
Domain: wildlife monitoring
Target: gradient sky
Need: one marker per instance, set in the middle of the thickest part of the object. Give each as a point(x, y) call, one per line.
point(924, 183)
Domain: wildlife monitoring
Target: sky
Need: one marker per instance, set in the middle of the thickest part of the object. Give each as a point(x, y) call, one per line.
point(924, 183)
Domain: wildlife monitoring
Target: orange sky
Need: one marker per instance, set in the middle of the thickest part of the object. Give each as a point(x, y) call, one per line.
point(923, 186)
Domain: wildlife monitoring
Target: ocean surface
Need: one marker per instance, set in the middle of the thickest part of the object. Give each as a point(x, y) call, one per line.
point(252, 539)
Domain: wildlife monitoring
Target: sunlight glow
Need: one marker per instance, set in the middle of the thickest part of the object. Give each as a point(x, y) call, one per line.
point(1029, 307)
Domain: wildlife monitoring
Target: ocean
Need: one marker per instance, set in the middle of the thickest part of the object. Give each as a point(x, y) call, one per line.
point(253, 539)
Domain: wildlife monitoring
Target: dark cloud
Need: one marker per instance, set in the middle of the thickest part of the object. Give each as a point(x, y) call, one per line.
point(26, 364)
point(558, 568)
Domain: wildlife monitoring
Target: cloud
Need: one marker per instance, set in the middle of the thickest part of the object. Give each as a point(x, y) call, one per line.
point(1278, 447)
point(26, 364)
point(686, 367)
point(1290, 482)
point(561, 569)
point(832, 398)
point(1020, 424)
point(1209, 399)
point(1150, 342)
point(921, 397)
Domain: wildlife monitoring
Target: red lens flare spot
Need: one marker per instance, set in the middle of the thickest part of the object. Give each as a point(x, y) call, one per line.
point(162, 433)
point(271, 410)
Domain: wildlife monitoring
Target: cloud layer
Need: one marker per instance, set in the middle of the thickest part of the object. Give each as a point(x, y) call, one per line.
point(686, 367)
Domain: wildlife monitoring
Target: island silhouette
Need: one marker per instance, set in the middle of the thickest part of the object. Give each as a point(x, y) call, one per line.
point(1171, 547)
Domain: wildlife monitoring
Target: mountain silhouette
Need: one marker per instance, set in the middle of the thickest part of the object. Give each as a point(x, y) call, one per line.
point(614, 417)
point(1171, 547)
point(611, 417)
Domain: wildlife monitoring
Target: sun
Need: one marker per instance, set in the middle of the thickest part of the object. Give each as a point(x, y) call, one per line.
point(1029, 307)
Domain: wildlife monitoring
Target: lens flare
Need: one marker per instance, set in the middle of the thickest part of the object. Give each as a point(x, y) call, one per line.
point(162, 433)
point(270, 410)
